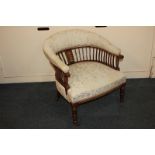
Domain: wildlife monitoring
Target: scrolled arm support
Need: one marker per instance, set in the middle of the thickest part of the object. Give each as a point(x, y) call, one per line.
point(121, 56)
point(62, 78)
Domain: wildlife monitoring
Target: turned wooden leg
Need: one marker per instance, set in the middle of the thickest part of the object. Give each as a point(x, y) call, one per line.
point(122, 93)
point(58, 95)
point(74, 115)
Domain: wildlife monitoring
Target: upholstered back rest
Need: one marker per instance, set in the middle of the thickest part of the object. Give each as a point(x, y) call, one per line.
point(78, 38)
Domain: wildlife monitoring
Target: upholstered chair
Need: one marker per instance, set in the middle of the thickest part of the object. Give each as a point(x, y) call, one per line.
point(86, 67)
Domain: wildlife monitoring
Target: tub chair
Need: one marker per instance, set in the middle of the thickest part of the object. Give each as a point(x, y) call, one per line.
point(86, 67)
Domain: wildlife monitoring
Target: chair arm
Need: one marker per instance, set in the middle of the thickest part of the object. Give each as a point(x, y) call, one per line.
point(118, 59)
point(61, 69)
point(121, 57)
point(54, 60)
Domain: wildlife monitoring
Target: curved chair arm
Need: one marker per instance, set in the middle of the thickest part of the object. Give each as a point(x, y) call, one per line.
point(54, 60)
point(61, 69)
point(121, 57)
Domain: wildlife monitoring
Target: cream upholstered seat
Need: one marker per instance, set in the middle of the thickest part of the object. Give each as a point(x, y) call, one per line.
point(89, 79)
point(86, 66)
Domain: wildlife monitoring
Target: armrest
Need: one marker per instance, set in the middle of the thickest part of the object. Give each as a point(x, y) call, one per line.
point(118, 59)
point(55, 60)
point(61, 69)
point(121, 57)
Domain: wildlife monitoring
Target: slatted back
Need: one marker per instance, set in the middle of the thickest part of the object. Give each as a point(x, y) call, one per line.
point(88, 53)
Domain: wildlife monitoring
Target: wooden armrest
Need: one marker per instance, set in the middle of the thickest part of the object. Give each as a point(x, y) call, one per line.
point(121, 56)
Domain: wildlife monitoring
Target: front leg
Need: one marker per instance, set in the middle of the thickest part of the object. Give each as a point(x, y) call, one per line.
point(74, 115)
point(122, 93)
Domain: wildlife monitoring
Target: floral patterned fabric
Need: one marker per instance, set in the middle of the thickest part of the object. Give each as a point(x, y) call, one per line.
point(89, 79)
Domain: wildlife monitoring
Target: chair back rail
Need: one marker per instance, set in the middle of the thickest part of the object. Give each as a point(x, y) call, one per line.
point(88, 53)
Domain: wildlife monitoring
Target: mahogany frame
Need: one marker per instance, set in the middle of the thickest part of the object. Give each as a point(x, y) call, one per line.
point(86, 53)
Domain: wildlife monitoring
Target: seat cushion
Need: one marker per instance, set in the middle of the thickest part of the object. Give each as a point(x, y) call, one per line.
point(89, 79)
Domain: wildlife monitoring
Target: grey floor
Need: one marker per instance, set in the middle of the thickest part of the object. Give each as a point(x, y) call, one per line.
point(34, 106)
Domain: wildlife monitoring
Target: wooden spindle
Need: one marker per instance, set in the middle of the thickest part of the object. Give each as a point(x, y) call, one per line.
point(109, 62)
point(93, 54)
point(62, 54)
point(80, 54)
point(69, 56)
point(100, 58)
point(117, 62)
point(86, 53)
point(89, 56)
point(83, 58)
point(113, 61)
point(76, 55)
point(59, 56)
point(106, 57)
